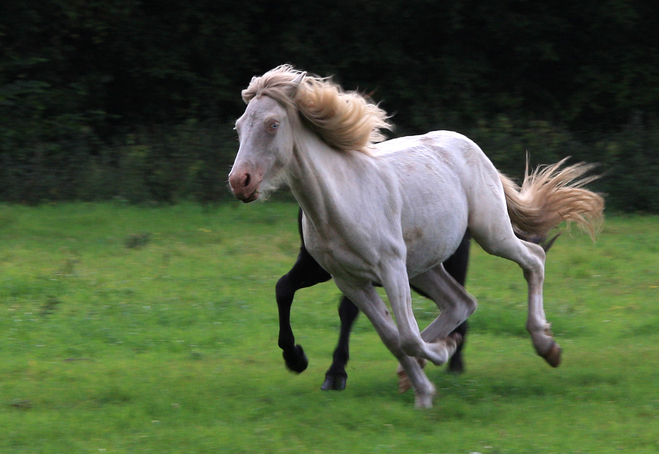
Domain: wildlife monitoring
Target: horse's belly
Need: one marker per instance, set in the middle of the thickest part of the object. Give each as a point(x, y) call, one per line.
point(435, 244)
point(434, 218)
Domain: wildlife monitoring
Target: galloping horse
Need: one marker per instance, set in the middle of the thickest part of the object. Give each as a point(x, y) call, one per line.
point(392, 212)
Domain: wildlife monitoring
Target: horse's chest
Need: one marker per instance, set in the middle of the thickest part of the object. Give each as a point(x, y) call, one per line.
point(341, 256)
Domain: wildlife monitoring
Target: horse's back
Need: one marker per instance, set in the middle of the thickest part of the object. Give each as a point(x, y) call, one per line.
point(452, 149)
point(445, 159)
point(480, 201)
point(435, 172)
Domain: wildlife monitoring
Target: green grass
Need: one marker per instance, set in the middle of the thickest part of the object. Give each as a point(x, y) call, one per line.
point(130, 330)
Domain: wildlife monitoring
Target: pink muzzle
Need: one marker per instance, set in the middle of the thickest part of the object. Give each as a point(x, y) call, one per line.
point(245, 185)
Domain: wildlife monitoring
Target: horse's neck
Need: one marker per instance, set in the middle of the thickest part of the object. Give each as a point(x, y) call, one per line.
point(325, 181)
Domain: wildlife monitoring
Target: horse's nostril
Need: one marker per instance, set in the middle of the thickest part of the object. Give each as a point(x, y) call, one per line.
point(247, 180)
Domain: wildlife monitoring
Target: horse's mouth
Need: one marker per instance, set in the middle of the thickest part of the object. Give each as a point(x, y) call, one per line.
point(246, 197)
point(252, 197)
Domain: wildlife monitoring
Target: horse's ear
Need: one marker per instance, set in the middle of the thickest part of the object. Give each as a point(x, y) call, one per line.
point(295, 85)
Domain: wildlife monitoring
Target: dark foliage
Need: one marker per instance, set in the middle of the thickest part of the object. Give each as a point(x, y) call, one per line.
point(136, 99)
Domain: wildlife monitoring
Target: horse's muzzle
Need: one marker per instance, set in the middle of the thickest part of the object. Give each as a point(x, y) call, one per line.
point(244, 186)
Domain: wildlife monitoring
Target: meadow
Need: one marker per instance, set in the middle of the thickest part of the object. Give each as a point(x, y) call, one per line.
point(130, 329)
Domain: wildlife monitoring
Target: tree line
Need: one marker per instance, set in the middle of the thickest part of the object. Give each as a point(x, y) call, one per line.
point(136, 99)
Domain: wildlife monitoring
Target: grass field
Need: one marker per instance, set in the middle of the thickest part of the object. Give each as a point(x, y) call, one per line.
point(131, 330)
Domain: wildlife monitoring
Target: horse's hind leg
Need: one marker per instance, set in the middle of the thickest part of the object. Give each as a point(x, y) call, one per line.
point(336, 376)
point(531, 258)
point(456, 265)
point(536, 323)
point(455, 303)
point(456, 363)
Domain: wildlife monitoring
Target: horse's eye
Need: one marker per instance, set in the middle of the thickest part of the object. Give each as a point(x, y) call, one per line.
point(272, 127)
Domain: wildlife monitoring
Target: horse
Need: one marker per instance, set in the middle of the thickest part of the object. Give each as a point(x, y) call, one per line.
point(391, 211)
point(306, 272)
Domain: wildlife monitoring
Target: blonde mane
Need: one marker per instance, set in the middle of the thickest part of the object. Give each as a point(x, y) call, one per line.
point(344, 120)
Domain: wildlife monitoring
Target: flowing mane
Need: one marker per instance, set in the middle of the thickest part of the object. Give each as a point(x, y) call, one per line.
point(344, 120)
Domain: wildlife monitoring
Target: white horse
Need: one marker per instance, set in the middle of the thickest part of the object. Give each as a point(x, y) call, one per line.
point(393, 212)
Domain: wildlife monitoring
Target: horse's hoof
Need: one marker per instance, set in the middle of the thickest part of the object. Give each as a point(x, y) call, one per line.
point(334, 383)
point(424, 400)
point(553, 356)
point(296, 360)
point(455, 366)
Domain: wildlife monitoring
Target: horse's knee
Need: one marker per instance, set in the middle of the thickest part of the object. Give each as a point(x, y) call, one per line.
point(410, 345)
point(538, 256)
point(409, 349)
point(284, 290)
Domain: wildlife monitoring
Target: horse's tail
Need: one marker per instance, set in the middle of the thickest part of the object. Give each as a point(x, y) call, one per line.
point(553, 194)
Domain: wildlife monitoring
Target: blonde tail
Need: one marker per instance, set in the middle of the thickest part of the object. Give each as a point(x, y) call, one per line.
point(553, 194)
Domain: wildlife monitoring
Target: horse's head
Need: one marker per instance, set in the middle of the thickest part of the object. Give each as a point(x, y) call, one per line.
point(277, 102)
point(266, 145)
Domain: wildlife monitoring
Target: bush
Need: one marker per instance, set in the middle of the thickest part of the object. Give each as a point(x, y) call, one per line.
point(189, 162)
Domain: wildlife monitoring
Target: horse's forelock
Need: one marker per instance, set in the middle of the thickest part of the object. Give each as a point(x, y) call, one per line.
point(276, 83)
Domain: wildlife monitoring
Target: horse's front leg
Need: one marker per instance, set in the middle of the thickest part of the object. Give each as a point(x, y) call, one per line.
point(456, 306)
point(305, 273)
point(368, 301)
point(396, 286)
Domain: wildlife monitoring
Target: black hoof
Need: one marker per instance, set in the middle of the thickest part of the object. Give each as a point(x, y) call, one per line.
point(334, 383)
point(296, 360)
point(455, 366)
